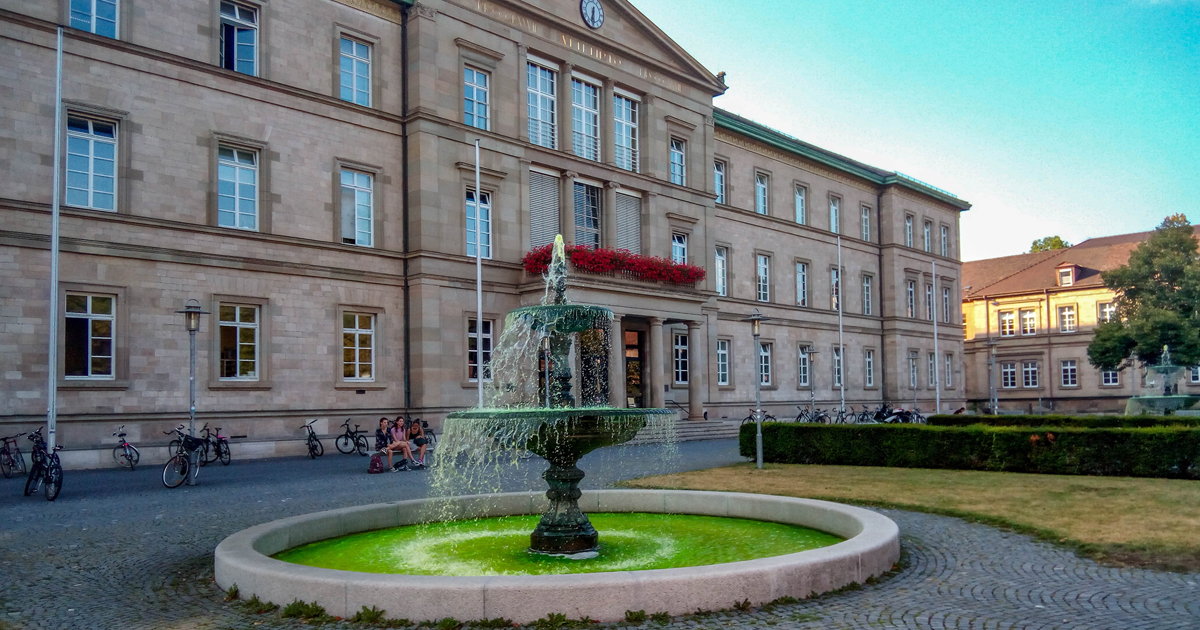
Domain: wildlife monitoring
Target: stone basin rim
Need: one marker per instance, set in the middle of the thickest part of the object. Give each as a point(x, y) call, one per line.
point(870, 549)
point(503, 413)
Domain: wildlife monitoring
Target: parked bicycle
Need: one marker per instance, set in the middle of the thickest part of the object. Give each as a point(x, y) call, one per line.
point(215, 447)
point(176, 470)
point(124, 453)
point(11, 458)
point(766, 417)
point(315, 448)
point(811, 415)
point(351, 440)
point(46, 470)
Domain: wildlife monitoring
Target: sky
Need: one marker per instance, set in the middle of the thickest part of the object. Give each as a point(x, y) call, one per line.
point(1075, 118)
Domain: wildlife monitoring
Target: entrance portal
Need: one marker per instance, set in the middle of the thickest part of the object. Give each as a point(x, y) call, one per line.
point(633, 369)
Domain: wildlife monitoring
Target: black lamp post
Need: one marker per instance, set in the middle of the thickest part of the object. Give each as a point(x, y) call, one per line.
point(191, 317)
point(755, 319)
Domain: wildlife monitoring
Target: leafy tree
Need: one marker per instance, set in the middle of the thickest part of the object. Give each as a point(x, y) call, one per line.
point(1158, 301)
point(1047, 244)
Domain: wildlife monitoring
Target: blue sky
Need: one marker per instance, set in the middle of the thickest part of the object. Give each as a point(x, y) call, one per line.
point(1078, 118)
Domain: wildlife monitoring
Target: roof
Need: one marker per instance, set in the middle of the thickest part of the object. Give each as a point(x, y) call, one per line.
point(743, 126)
point(1030, 273)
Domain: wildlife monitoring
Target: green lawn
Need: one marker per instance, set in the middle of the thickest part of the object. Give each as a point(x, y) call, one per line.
point(1126, 521)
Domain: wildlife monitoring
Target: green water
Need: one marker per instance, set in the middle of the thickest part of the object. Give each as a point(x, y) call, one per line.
point(497, 546)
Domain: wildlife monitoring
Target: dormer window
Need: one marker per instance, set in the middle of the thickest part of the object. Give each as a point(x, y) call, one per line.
point(1066, 276)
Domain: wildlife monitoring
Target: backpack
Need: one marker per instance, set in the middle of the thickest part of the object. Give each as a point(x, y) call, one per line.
point(376, 465)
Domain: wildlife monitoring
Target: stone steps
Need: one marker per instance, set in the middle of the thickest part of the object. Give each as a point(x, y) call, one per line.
point(689, 430)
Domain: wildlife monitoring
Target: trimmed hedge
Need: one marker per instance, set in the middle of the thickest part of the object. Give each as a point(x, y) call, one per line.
point(1151, 452)
point(1084, 422)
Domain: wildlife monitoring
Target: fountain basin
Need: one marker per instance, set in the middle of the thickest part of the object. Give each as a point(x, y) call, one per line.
point(871, 547)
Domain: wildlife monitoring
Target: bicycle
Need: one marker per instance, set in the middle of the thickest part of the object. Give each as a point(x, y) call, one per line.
point(176, 470)
point(46, 470)
point(351, 441)
point(315, 448)
point(124, 453)
point(11, 458)
point(214, 448)
point(766, 417)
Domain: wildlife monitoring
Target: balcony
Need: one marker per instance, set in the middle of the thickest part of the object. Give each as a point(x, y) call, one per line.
point(617, 263)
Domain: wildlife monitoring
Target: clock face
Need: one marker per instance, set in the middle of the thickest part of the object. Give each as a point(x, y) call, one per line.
point(592, 12)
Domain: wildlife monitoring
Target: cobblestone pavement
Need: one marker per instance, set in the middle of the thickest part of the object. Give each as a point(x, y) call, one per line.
point(119, 551)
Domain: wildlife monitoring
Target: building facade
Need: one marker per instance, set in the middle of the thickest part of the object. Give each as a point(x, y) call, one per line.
point(1029, 320)
point(305, 169)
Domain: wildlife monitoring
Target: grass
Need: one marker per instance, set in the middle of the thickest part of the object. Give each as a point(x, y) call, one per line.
point(1120, 521)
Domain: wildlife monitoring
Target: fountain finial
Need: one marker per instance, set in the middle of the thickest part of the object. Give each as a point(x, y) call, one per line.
point(558, 272)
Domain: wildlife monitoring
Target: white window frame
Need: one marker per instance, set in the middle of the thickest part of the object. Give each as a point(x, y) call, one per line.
point(543, 103)
point(865, 223)
point(84, 171)
point(358, 335)
point(929, 314)
point(1107, 312)
point(1029, 375)
point(835, 215)
point(1066, 277)
point(804, 366)
point(485, 223)
point(1194, 375)
point(1029, 321)
point(945, 241)
point(911, 298)
point(801, 284)
point(762, 193)
point(913, 357)
point(680, 355)
point(719, 169)
point(1110, 378)
point(92, 23)
point(801, 205)
point(358, 62)
point(908, 230)
point(721, 258)
point(1069, 369)
point(1008, 375)
point(361, 186)
point(488, 347)
point(835, 289)
point(931, 360)
point(625, 132)
point(477, 98)
point(765, 373)
point(238, 22)
point(928, 228)
point(585, 119)
point(92, 317)
point(233, 164)
point(678, 155)
point(1008, 323)
point(722, 362)
point(949, 369)
point(1067, 319)
point(946, 305)
point(867, 298)
point(679, 248)
point(763, 275)
point(869, 367)
point(238, 326)
point(837, 368)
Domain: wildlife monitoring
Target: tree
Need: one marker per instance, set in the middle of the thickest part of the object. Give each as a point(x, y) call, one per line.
point(1158, 301)
point(1047, 244)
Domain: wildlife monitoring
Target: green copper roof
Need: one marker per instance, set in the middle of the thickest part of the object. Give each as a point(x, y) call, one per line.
point(745, 127)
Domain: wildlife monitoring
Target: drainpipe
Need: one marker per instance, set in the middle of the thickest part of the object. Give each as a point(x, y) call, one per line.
point(882, 299)
point(404, 12)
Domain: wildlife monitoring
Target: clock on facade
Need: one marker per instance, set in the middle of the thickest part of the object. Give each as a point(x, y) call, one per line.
point(592, 12)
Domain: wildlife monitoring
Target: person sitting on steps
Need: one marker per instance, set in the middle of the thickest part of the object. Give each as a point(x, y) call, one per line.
point(385, 441)
point(399, 444)
point(415, 435)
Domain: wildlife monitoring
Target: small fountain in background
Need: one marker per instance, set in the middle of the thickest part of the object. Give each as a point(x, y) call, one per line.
point(532, 407)
point(1168, 400)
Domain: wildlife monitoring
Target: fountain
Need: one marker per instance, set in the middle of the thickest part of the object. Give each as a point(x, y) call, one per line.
point(460, 556)
point(1169, 400)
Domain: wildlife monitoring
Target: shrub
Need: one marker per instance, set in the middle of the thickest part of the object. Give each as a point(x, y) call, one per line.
point(258, 607)
point(231, 594)
point(368, 615)
point(304, 611)
point(1144, 452)
point(553, 621)
point(498, 622)
point(635, 616)
point(1088, 422)
point(661, 618)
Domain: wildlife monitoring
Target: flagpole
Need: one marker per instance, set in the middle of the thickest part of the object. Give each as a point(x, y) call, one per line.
point(841, 304)
point(937, 358)
point(478, 280)
point(52, 377)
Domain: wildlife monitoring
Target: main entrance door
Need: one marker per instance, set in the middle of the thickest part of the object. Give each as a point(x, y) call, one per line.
point(633, 369)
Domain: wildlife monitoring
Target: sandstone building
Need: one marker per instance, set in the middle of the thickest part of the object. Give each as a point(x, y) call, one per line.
point(305, 169)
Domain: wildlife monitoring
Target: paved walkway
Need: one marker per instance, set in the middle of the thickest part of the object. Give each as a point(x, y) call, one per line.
point(119, 551)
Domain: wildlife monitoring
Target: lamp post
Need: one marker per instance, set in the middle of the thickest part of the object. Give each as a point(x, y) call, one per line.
point(191, 317)
point(992, 402)
point(812, 382)
point(755, 319)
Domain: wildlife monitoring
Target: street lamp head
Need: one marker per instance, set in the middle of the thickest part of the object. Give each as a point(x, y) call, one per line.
point(755, 318)
point(191, 315)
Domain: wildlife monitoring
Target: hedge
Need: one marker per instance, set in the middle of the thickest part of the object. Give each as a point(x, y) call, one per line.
point(1151, 452)
point(1085, 422)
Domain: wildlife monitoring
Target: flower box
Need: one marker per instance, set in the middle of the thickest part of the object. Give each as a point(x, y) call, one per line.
point(616, 261)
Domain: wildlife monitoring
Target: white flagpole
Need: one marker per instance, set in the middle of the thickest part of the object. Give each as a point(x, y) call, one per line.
point(841, 285)
point(937, 358)
point(52, 377)
point(478, 280)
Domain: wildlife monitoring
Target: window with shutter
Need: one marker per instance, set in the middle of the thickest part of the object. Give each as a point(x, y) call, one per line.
point(629, 223)
point(543, 208)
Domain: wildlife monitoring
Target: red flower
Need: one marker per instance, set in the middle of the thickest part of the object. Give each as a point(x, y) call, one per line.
point(604, 261)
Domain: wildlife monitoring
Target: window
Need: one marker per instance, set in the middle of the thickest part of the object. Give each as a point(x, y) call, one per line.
point(625, 133)
point(837, 367)
point(358, 213)
point(91, 163)
point(949, 368)
point(585, 119)
point(911, 299)
point(945, 305)
point(545, 192)
point(679, 248)
point(1028, 322)
point(628, 215)
point(945, 241)
point(866, 295)
point(928, 236)
point(356, 75)
point(1065, 277)
point(541, 101)
point(801, 209)
point(479, 344)
point(1029, 370)
point(237, 188)
point(1008, 375)
point(929, 302)
point(484, 210)
point(764, 278)
point(681, 359)
point(95, 16)
point(239, 38)
point(908, 231)
point(932, 366)
point(89, 336)
point(1110, 377)
point(722, 362)
point(764, 363)
point(239, 342)
point(1008, 324)
point(358, 347)
point(1194, 375)
point(722, 271)
point(801, 284)
point(1066, 319)
point(835, 215)
point(762, 193)
point(476, 98)
point(865, 223)
point(802, 371)
point(1070, 373)
point(587, 215)
point(719, 180)
point(1108, 312)
point(869, 368)
point(835, 289)
point(912, 369)
point(678, 162)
